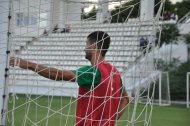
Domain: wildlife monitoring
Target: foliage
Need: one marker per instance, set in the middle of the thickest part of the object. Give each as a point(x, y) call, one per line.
point(120, 13)
point(165, 66)
point(178, 81)
point(187, 38)
point(177, 77)
point(168, 6)
point(149, 91)
point(169, 34)
point(134, 12)
point(162, 66)
point(182, 8)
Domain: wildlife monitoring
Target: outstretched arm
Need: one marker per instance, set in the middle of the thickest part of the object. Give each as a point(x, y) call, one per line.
point(124, 101)
point(47, 72)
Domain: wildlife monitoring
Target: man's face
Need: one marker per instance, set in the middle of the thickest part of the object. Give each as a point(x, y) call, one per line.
point(88, 50)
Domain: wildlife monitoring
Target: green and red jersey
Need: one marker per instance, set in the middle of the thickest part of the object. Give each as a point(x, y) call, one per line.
point(99, 95)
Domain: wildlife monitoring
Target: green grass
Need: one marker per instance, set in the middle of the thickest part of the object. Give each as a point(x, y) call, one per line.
point(162, 116)
point(171, 116)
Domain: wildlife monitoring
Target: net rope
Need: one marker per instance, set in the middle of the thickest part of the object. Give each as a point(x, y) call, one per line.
point(39, 52)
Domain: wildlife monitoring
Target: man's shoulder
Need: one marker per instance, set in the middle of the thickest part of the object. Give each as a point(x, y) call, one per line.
point(86, 69)
point(110, 66)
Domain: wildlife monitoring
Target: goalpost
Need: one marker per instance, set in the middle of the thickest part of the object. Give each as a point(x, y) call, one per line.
point(164, 89)
point(5, 40)
point(187, 88)
point(34, 100)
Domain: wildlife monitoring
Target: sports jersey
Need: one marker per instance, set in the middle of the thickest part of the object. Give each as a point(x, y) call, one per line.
point(99, 95)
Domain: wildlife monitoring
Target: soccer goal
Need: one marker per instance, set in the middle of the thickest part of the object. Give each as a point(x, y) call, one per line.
point(187, 88)
point(53, 33)
point(164, 89)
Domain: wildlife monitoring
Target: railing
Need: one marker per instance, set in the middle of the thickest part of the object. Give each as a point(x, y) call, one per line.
point(184, 18)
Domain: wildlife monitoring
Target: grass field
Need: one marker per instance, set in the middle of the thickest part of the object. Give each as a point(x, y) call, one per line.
point(44, 111)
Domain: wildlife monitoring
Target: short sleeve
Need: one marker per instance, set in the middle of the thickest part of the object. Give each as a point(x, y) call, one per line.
point(87, 77)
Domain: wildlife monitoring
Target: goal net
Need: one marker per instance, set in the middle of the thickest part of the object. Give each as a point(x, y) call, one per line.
point(53, 33)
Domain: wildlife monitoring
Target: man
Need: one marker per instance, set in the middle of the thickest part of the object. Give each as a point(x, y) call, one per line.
point(143, 44)
point(102, 98)
point(107, 17)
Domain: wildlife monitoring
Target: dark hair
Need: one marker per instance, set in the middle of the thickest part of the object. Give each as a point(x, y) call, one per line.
point(102, 39)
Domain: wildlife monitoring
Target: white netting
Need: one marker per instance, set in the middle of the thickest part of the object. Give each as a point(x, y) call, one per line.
point(50, 32)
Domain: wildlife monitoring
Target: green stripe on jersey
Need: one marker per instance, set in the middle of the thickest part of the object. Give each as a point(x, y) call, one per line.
point(87, 76)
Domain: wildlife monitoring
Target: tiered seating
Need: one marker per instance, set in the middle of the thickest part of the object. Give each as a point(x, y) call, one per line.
point(19, 42)
point(65, 50)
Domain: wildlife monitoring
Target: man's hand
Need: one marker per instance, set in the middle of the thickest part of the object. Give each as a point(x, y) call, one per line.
point(123, 103)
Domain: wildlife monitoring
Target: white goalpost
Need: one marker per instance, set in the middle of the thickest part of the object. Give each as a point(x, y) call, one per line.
point(5, 32)
point(187, 88)
point(52, 33)
point(164, 89)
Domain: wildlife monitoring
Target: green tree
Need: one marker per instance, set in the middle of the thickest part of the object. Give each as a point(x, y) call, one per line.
point(182, 8)
point(187, 40)
point(168, 6)
point(120, 13)
point(164, 66)
point(177, 76)
point(178, 81)
point(168, 35)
